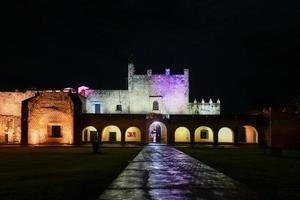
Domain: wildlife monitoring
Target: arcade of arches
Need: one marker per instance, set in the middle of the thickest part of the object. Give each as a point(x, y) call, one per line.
point(157, 133)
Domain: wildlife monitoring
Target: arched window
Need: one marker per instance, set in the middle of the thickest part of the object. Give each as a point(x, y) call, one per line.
point(155, 105)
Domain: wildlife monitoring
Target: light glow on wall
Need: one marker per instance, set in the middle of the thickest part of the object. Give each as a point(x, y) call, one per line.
point(210, 135)
point(182, 134)
point(225, 135)
point(87, 130)
point(251, 134)
point(108, 130)
point(133, 134)
point(46, 110)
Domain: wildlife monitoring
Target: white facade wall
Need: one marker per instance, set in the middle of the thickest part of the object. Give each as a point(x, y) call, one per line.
point(108, 100)
point(170, 91)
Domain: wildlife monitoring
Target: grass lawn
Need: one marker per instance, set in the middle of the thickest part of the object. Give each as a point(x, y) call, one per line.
point(59, 172)
point(272, 177)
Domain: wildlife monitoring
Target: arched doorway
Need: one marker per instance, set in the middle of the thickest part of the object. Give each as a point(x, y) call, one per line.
point(89, 133)
point(225, 135)
point(182, 134)
point(133, 134)
point(204, 134)
point(248, 135)
point(111, 134)
point(158, 133)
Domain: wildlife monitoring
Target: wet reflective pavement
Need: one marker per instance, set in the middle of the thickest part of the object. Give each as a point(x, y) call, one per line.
point(163, 172)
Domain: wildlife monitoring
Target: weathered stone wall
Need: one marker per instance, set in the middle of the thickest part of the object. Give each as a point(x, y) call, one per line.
point(171, 91)
point(139, 95)
point(109, 99)
point(10, 115)
point(46, 110)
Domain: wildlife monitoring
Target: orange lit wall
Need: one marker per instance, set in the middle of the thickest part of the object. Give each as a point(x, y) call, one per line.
point(251, 134)
point(47, 109)
point(10, 115)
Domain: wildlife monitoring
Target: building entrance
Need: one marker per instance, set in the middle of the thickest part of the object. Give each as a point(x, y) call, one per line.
point(157, 133)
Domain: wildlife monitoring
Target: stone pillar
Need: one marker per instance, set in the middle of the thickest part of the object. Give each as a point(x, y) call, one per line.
point(192, 137)
point(236, 136)
point(216, 136)
point(171, 135)
point(123, 132)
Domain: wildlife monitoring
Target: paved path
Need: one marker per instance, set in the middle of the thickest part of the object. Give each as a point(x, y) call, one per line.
point(163, 172)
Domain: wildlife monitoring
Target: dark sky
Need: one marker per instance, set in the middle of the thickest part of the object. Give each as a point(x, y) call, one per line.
point(245, 52)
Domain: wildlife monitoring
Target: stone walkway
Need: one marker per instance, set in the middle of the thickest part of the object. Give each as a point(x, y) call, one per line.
point(163, 172)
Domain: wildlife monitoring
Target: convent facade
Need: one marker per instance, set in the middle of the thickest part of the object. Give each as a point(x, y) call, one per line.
point(154, 108)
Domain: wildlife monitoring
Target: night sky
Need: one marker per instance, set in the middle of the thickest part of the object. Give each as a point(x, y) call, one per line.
point(245, 52)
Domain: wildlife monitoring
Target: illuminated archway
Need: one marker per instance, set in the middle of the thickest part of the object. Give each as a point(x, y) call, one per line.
point(158, 133)
point(133, 134)
point(204, 134)
point(111, 134)
point(88, 133)
point(225, 135)
point(182, 134)
point(251, 134)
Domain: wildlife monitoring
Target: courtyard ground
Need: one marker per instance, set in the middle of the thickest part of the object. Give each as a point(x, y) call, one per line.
point(59, 172)
point(161, 172)
point(272, 177)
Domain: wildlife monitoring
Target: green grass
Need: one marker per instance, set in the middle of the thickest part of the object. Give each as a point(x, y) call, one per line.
point(272, 177)
point(59, 172)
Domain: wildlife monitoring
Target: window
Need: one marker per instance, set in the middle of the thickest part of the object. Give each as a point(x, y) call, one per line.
point(119, 108)
point(204, 134)
point(97, 108)
point(155, 105)
point(55, 131)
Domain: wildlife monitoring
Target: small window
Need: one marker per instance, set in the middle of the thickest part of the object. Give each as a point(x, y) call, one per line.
point(55, 131)
point(204, 134)
point(155, 105)
point(119, 108)
point(97, 108)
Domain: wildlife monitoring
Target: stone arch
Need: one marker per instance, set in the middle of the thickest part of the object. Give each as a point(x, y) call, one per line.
point(248, 135)
point(158, 133)
point(133, 134)
point(111, 133)
point(225, 135)
point(182, 134)
point(88, 133)
point(204, 134)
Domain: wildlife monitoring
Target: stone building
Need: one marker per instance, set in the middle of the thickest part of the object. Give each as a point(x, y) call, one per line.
point(154, 108)
point(10, 115)
point(149, 93)
point(49, 117)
